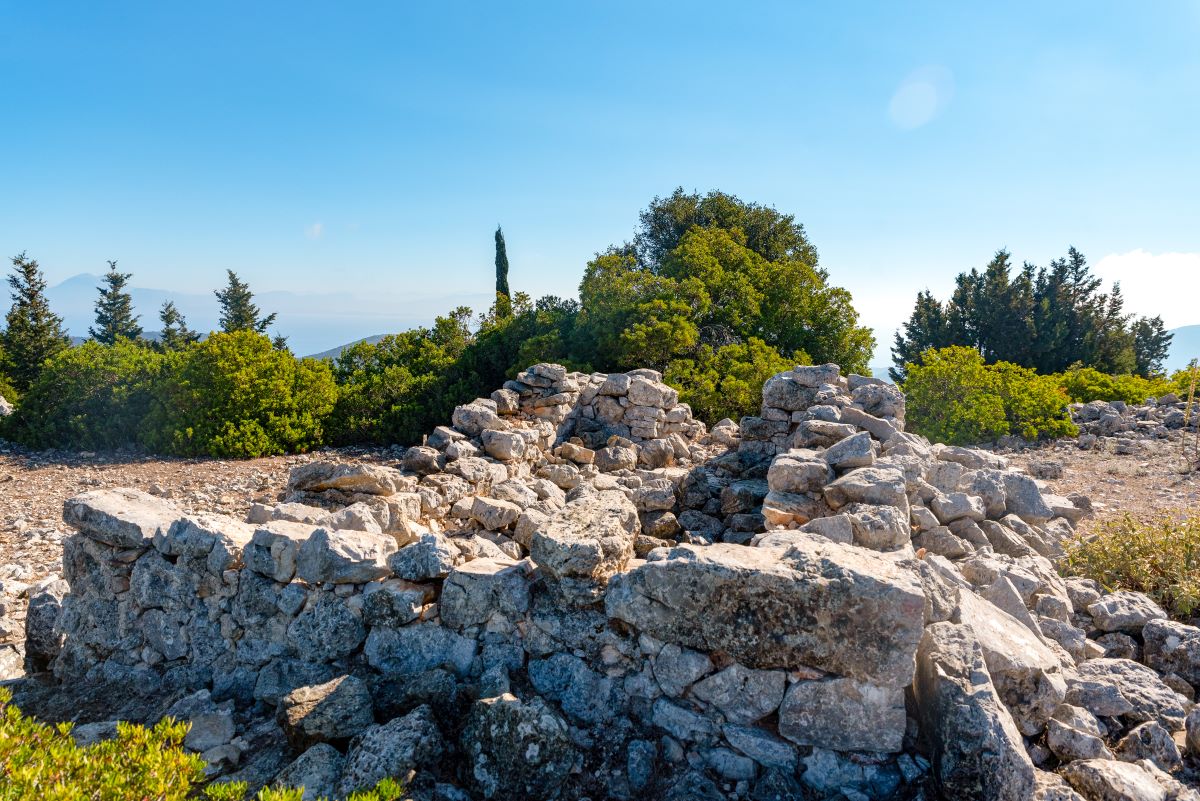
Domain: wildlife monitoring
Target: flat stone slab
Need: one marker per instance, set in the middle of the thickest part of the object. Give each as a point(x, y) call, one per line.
point(819, 604)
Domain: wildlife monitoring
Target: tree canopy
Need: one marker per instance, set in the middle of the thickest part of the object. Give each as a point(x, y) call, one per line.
point(1046, 318)
point(175, 333)
point(33, 333)
point(238, 311)
point(114, 309)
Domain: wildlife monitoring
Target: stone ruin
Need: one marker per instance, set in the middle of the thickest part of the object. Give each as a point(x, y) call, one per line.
point(1122, 429)
point(577, 591)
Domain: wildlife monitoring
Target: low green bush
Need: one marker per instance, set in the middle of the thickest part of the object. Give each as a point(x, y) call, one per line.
point(40, 761)
point(1159, 557)
point(953, 396)
point(1084, 385)
point(236, 395)
point(93, 397)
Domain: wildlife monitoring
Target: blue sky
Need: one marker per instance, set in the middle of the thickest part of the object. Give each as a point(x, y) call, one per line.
point(369, 149)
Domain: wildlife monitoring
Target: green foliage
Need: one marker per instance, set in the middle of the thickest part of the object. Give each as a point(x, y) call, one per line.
point(43, 762)
point(174, 333)
point(93, 397)
point(1046, 318)
point(235, 395)
point(1083, 385)
point(33, 333)
point(1034, 405)
point(238, 312)
point(727, 382)
point(397, 389)
point(955, 397)
point(1159, 557)
point(115, 319)
point(695, 277)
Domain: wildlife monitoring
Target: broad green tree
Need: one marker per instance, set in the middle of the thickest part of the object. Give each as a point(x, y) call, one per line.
point(33, 333)
point(114, 309)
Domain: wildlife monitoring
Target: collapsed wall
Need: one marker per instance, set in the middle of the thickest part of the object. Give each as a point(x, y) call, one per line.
point(576, 590)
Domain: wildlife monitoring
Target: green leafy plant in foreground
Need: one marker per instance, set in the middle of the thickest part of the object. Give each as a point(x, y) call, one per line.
point(1159, 557)
point(43, 761)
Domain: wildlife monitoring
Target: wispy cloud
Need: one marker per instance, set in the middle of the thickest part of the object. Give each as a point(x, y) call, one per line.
point(1156, 283)
point(315, 231)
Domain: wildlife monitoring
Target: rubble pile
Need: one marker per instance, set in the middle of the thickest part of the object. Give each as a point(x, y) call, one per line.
point(1123, 429)
point(577, 591)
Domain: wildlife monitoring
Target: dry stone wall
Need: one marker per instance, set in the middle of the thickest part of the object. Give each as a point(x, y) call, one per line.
point(576, 590)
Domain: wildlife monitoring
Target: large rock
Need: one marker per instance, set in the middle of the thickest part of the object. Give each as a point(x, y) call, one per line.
point(882, 486)
point(367, 479)
point(317, 770)
point(1027, 675)
point(1170, 647)
point(335, 710)
point(844, 715)
point(816, 603)
point(122, 518)
point(1108, 780)
point(1125, 611)
point(585, 543)
point(855, 451)
point(43, 638)
point(743, 695)
point(1144, 695)
point(475, 591)
point(343, 556)
point(516, 749)
point(430, 557)
point(417, 648)
point(976, 749)
point(391, 750)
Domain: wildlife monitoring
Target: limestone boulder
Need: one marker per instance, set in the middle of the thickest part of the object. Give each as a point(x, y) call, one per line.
point(391, 750)
point(335, 710)
point(368, 479)
point(122, 518)
point(1027, 675)
point(342, 556)
point(1170, 647)
point(817, 603)
point(516, 749)
point(843, 714)
point(585, 543)
point(1125, 611)
point(976, 749)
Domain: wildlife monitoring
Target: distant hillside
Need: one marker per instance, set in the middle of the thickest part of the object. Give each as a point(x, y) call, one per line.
point(1184, 348)
point(333, 353)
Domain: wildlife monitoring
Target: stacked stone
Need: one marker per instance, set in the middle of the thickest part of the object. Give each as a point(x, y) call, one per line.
point(813, 603)
point(1119, 427)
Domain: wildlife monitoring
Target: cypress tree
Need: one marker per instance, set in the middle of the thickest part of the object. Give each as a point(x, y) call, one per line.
point(175, 333)
point(238, 312)
point(114, 309)
point(501, 264)
point(33, 333)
